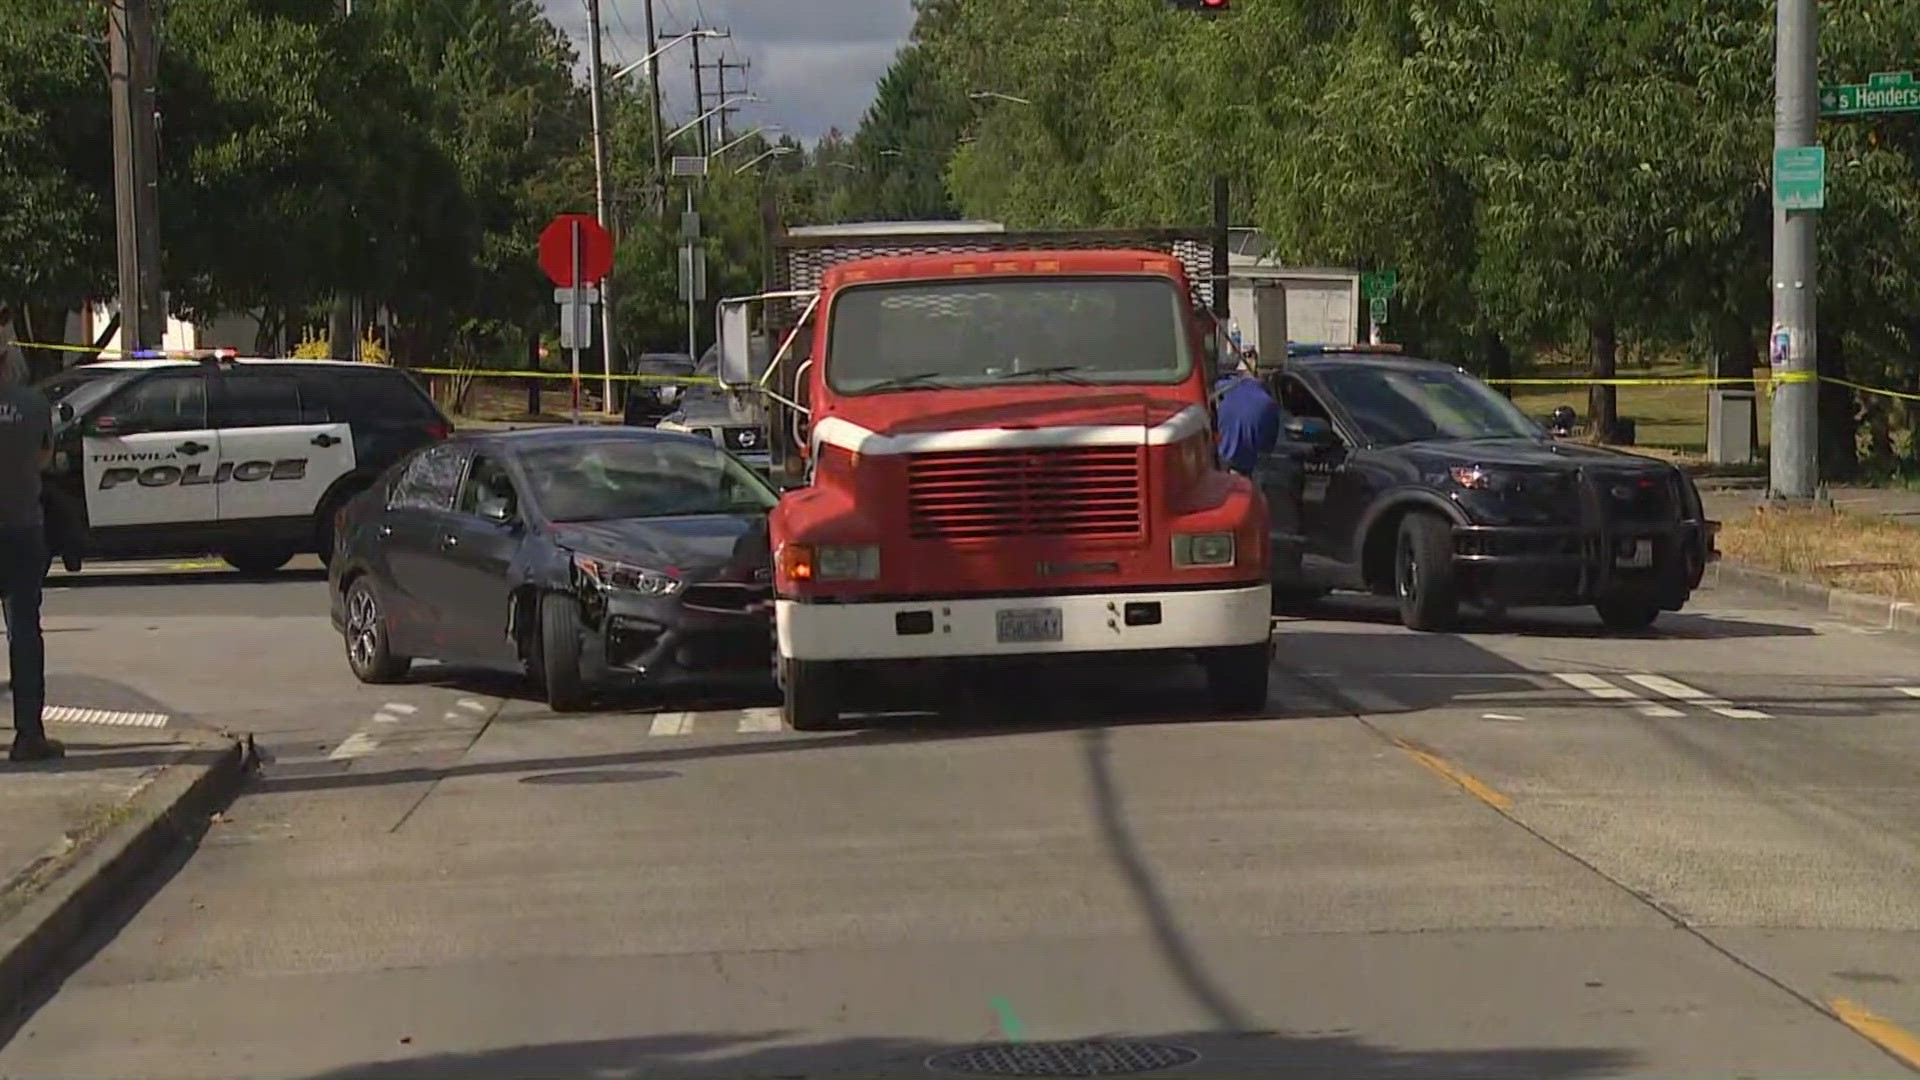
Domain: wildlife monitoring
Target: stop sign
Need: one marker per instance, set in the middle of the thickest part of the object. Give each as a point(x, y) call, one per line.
point(557, 253)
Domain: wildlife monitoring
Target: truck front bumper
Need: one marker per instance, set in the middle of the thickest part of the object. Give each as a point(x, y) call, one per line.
point(1025, 625)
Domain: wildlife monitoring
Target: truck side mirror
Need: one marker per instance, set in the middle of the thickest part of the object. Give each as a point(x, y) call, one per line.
point(736, 345)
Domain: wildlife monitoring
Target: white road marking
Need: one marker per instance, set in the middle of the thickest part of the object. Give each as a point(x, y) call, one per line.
point(1500, 716)
point(70, 714)
point(383, 718)
point(1606, 691)
point(1910, 691)
point(671, 723)
point(471, 705)
point(1680, 691)
point(401, 707)
point(358, 744)
point(761, 720)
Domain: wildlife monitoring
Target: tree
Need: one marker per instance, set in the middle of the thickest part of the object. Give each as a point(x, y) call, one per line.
point(904, 144)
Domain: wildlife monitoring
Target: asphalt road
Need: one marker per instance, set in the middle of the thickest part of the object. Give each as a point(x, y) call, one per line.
point(1529, 849)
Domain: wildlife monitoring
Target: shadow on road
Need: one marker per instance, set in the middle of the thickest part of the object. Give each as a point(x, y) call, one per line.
point(774, 1054)
point(101, 580)
point(1560, 623)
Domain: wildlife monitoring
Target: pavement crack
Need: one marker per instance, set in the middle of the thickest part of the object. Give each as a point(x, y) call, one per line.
point(499, 704)
point(1673, 918)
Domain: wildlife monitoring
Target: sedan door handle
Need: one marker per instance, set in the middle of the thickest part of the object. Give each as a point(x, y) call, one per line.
point(450, 540)
point(386, 531)
point(191, 447)
point(325, 440)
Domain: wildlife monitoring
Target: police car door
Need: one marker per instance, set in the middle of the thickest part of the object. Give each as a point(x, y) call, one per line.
point(149, 454)
point(279, 456)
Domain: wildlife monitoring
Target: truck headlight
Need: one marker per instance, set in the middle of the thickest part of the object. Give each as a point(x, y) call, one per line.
point(611, 576)
point(830, 562)
point(1203, 549)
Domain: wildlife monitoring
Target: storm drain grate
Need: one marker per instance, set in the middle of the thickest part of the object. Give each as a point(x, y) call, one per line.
point(1063, 1059)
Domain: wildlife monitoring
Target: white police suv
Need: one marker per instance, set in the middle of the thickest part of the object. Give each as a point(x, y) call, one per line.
point(245, 459)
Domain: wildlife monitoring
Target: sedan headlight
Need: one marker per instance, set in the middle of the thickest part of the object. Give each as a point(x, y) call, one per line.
point(611, 576)
point(1203, 549)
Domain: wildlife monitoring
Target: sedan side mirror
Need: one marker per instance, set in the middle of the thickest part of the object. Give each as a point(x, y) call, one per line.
point(1311, 431)
point(64, 411)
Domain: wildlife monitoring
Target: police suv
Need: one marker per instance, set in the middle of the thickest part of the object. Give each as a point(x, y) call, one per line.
point(246, 459)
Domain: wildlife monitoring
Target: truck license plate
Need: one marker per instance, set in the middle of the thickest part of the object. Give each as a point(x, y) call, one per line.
point(1027, 626)
point(1640, 558)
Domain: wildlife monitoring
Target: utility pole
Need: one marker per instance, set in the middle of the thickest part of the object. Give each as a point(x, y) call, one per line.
point(653, 91)
point(723, 66)
point(597, 87)
point(132, 62)
point(700, 100)
point(1795, 464)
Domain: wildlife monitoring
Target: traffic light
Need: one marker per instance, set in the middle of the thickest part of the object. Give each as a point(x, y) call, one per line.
point(1204, 7)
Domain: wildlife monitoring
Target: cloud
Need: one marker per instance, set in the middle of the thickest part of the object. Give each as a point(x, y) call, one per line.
point(816, 62)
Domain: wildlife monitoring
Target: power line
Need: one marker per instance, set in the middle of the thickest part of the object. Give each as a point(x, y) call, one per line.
point(722, 66)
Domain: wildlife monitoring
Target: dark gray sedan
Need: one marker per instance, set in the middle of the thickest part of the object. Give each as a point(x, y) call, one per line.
point(591, 557)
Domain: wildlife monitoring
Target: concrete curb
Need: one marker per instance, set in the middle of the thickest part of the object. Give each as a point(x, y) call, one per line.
point(98, 874)
point(1880, 612)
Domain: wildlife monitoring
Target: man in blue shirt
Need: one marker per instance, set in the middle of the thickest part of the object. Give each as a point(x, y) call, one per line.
point(1249, 421)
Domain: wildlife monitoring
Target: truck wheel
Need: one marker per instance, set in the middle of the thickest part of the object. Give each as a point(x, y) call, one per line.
point(1627, 611)
point(1237, 677)
point(257, 560)
point(810, 694)
point(560, 653)
point(1423, 573)
point(369, 653)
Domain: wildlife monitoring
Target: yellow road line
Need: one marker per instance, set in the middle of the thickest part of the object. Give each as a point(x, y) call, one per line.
point(1883, 1033)
point(1444, 768)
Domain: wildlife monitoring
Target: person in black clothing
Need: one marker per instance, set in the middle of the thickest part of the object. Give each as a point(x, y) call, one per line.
point(26, 444)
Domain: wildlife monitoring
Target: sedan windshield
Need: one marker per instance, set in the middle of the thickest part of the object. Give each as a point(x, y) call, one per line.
point(1018, 331)
point(611, 479)
point(1395, 405)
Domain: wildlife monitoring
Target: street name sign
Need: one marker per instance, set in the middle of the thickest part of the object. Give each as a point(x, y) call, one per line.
point(1889, 91)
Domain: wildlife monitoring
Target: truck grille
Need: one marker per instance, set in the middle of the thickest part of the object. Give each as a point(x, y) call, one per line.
point(1066, 491)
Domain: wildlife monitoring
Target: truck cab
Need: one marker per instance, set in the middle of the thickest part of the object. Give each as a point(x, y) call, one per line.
point(1009, 454)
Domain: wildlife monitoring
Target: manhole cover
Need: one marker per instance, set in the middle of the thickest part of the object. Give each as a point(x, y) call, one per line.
point(1063, 1059)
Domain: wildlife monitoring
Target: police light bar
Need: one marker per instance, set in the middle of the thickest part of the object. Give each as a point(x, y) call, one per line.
point(1299, 348)
point(183, 354)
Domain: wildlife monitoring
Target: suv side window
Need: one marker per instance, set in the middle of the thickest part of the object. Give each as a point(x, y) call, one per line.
point(339, 394)
point(248, 399)
point(169, 401)
point(1297, 400)
point(428, 479)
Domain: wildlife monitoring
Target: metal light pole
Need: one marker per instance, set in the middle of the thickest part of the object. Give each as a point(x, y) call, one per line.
point(1795, 464)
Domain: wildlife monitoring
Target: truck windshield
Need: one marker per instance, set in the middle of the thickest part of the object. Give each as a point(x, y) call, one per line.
point(945, 334)
point(1393, 406)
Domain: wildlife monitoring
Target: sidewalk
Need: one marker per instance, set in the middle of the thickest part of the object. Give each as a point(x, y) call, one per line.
point(1898, 504)
point(80, 831)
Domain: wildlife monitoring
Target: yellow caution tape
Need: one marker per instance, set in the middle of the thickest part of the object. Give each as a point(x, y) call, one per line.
point(480, 373)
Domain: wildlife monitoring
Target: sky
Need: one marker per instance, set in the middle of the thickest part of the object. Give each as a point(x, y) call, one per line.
point(816, 62)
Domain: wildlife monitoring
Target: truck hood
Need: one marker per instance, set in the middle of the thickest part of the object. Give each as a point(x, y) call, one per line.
point(909, 413)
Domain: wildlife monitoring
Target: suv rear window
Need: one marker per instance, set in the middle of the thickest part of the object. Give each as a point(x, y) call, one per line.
point(375, 394)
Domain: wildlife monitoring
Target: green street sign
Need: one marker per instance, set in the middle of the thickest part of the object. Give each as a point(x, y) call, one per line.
point(1800, 178)
point(1380, 283)
point(1377, 310)
point(1889, 91)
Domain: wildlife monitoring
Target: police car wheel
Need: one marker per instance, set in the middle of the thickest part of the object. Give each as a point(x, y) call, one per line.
point(258, 561)
point(368, 652)
point(567, 690)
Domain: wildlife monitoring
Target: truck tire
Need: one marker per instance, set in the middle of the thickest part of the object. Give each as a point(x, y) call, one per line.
point(257, 560)
point(1237, 677)
point(810, 694)
point(1423, 573)
point(370, 654)
point(559, 664)
point(1627, 611)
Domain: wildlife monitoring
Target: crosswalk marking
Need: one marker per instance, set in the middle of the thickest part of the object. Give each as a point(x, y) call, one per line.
point(1680, 691)
point(70, 714)
point(400, 707)
point(761, 720)
point(358, 744)
point(1606, 691)
point(671, 723)
point(1910, 691)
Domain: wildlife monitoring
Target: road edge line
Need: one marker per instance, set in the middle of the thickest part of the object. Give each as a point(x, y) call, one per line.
point(37, 937)
point(1890, 1037)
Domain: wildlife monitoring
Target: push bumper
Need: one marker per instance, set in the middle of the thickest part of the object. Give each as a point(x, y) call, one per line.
point(1556, 565)
point(1025, 626)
